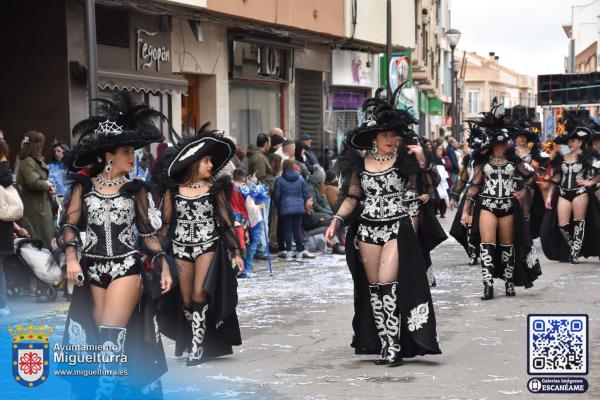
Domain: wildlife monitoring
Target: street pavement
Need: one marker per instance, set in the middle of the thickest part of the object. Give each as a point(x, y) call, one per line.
point(296, 328)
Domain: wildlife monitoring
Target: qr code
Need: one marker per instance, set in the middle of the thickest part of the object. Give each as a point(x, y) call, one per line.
point(558, 344)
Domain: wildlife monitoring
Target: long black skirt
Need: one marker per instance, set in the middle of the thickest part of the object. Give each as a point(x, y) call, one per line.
point(458, 231)
point(412, 293)
point(527, 263)
point(222, 329)
point(431, 232)
point(146, 361)
point(554, 246)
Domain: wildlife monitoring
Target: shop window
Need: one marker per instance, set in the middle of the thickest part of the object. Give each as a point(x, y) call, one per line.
point(473, 102)
point(253, 109)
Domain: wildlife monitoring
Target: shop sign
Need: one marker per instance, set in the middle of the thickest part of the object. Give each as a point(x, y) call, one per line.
point(351, 68)
point(399, 69)
point(150, 52)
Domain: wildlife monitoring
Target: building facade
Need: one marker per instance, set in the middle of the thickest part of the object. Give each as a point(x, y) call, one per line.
point(488, 83)
point(244, 65)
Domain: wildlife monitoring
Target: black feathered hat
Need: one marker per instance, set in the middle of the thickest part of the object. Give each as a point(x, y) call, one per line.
point(519, 124)
point(494, 127)
point(192, 148)
point(120, 123)
point(576, 127)
point(477, 140)
point(380, 116)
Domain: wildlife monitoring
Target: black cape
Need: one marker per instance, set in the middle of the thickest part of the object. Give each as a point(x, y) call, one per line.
point(553, 244)
point(412, 292)
point(223, 329)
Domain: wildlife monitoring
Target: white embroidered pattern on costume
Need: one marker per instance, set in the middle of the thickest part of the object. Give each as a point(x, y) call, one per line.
point(384, 193)
point(76, 332)
point(154, 214)
point(418, 317)
point(377, 233)
point(532, 259)
point(111, 267)
point(195, 221)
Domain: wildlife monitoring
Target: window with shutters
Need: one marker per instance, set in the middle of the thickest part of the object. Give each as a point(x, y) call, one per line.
point(112, 27)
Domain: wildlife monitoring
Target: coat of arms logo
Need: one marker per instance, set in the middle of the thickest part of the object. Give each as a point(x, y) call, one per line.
point(30, 354)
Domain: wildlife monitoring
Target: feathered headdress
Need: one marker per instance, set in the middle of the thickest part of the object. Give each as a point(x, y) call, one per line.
point(379, 116)
point(575, 127)
point(119, 123)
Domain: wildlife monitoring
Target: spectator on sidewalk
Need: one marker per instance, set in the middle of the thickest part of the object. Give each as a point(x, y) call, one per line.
point(322, 214)
point(442, 188)
point(290, 195)
point(254, 198)
point(57, 169)
point(300, 157)
point(259, 166)
point(36, 189)
point(6, 227)
point(289, 150)
point(311, 156)
point(451, 152)
point(276, 146)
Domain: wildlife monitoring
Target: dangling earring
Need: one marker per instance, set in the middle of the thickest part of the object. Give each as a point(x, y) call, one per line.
point(108, 167)
point(374, 148)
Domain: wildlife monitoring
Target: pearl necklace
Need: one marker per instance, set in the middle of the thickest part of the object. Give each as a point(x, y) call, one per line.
point(196, 185)
point(378, 157)
point(102, 181)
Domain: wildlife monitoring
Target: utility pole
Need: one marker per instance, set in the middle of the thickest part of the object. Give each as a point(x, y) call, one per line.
point(90, 25)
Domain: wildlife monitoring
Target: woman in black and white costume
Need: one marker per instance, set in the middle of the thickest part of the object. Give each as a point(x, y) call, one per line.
point(478, 143)
point(112, 302)
point(570, 224)
point(394, 314)
point(526, 147)
point(201, 316)
point(506, 249)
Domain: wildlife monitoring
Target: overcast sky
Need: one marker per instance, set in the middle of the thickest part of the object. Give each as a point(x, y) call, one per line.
point(526, 34)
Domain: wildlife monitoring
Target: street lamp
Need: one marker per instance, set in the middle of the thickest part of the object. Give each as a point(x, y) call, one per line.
point(453, 36)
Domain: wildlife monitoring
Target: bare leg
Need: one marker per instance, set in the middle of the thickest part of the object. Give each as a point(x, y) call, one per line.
point(120, 299)
point(370, 255)
point(388, 262)
point(186, 281)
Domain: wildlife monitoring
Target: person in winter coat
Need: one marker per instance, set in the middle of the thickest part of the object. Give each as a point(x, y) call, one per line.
point(6, 227)
point(322, 213)
point(36, 189)
point(290, 195)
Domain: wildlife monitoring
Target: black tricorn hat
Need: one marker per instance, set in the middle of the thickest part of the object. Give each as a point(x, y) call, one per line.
point(381, 116)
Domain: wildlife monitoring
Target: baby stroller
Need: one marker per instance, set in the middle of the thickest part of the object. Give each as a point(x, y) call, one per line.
point(31, 253)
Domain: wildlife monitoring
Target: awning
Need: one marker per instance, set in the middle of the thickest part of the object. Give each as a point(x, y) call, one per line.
point(112, 79)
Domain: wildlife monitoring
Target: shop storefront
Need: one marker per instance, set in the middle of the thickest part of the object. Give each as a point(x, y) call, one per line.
point(135, 56)
point(352, 81)
point(259, 72)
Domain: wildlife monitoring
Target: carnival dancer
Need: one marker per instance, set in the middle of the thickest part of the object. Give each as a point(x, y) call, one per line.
point(569, 228)
point(505, 245)
point(394, 313)
point(201, 316)
point(478, 143)
point(525, 136)
point(112, 303)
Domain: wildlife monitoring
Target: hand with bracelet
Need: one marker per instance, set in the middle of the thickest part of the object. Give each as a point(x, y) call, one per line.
point(336, 222)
